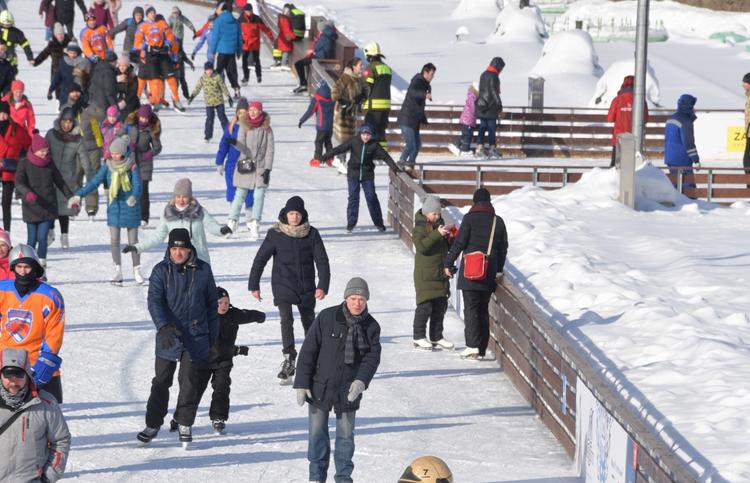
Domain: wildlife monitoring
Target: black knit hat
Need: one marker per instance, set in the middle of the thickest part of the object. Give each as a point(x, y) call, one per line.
point(208, 65)
point(746, 78)
point(75, 87)
point(481, 195)
point(221, 292)
point(179, 237)
point(295, 203)
point(248, 7)
point(242, 104)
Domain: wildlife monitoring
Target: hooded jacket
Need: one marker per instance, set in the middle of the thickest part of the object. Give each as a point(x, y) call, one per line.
point(252, 26)
point(322, 106)
point(488, 103)
point(214, 89)
point(178, 23)
point(15, 141)
point(228, 155)
point(226, 38)
point(68, 153)
point(256, 144)
point(679, 138)
point(325, 44)
point(621, 110)
point(130, 27)
point(362, 156)
point(65, 10)
point(469, 115)
point(430, 249)
point(22, 112)
point(412, 110)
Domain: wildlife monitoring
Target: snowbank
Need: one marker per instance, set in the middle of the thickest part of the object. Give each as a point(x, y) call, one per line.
point(609, 84)
point(477, 8)
point(515, 24)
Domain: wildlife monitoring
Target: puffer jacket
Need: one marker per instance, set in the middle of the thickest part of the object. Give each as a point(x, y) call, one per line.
point(67, 152)
point(145, 143)
point(194, 218)
point(348, 93)
point(488, 104)
point(222, 351)
point(412, 110)
point(468, 115)
point(679, 137)
point(256, 144)
point(184, 296)
point(325, 44)
point(322, 106)
point(22, 112)
point(214, 89)
point(37, 443)
point(227, 38)
point(431, 248)
point(43, 181)
point(362, 156)
point(119, 214)
point(69, 71)
point(127, 90)
point(321, 367)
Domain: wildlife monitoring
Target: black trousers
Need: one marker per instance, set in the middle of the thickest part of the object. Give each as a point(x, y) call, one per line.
point(227, 62)
point(379, 122)
point(477, 319)
point(306, 313)
point(7, 202)
point(322, 138)
point(220, 381)
point(614, 156)
point(145, 202)
point(54, 387)
point(183, 83)
point(434, 311)
point(187, 400)
point(301, 67)
point(255, 54)
point(745, 163)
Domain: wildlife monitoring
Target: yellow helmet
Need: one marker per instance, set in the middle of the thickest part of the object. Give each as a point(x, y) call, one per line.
point(6, 18)
point(372, 48)
point(430, 469)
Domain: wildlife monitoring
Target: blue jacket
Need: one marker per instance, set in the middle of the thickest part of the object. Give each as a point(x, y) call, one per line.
point(119, 214)
point(205, 38)
point(679, 140)
point(325, 45)
point(322, 105)
point(184, 296)
point(320, 364)
point(227, 37)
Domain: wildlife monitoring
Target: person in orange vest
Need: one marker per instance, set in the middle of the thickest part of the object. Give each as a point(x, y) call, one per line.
point(95, 42)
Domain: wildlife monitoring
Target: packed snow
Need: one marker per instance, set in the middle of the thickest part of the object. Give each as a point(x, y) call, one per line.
point(610, 82)
point(515, 24)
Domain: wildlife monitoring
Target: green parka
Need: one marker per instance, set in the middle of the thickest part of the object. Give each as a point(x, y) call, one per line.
point(431, 248)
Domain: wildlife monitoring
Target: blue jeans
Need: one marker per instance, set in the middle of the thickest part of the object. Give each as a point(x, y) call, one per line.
point(373, 205)
point(319, 445)
point(212, 111)
point(36, 234)
point(240, 195)
point(467, 134)
point(487, 125)
point(412, 143)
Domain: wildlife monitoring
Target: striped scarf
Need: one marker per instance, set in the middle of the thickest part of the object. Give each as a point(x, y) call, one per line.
point(354, 324)
point(120, 180)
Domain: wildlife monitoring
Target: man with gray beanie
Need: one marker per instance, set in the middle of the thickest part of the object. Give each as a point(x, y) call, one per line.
point(338, 359)
point(26, 412)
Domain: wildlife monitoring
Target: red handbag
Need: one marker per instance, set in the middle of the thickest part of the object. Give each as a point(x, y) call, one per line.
point(476, 264)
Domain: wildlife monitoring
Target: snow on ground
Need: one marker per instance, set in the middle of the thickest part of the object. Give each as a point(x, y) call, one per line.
point(610, 82)
point(419, 403)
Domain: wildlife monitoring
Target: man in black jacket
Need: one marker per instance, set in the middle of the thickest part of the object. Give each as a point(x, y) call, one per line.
point(475, 235)
point(103, 86)
point(411, 115)
point(488, 107)
point(65, 12)
point(361, 172)
point(339, 358)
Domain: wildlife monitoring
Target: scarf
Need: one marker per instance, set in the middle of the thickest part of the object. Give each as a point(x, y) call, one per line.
point(491, 69)
point(36, 160)
point(354, 323)
point(482, 207)
point(14, 401)
point(120, 180)
point(257, 121)
point(26, 283)
point(299, 231)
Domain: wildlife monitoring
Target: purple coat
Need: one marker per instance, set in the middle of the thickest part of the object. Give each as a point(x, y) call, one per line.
point(468, 116)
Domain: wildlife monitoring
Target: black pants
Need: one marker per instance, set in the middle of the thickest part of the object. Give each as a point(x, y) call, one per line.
point(301, 67)
point(379, 122)
point(64, 223)
point(322, 138)
point(227, 62)
point(614, 156)
point(306, 313)
point(434, 311)
point(477, 319)
point(187, 400)
point(255, 54)
point(145, 202)
point(54, 387)
point(211, 113)
point(745, 163)
point(183, 83)
point(8, 188)
point(69, 28)
point(220, 381)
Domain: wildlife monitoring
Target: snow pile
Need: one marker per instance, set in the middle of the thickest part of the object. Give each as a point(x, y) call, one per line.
point(653, 190)
point(609, 84)
point(515, 24)
point(477, 8)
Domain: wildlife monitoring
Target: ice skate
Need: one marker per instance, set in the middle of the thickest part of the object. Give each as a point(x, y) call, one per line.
point(138, 276)
point(287, 370)
point(116, 276)
point(315, 163)
point(177, 106)
point(422, 344)
point(173, 426)
point(443, 344)
point(64, 242)
point(299, 89)
point(147, 435)
point(186, 436)
point(219, 425)
point(252, 227)
point(232, 224)
point(470, 353)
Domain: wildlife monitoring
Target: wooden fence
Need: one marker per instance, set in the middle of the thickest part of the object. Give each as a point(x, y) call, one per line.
point(545, 366)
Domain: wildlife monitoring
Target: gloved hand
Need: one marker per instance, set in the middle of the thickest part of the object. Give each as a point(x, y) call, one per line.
point(129, 248)
point(190, 100)
point(299, 125)
point(241, 350)
point(131, 201)
point(49, 96)
point(266, 176)
point(357, 388)
point(232, 141)
point(192, 56)
point(30, 197)
point(121, 105)
point(74, 202)
point(302, 395)
point(168, 336)
point(231, 102)
point(225, 230)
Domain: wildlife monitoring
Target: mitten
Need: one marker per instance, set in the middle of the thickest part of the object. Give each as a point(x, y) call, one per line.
point(49, 96)
point(299, 125)
point(355, 390)
point(231, 102)
point(131, 200)
point(167, 336)
point(121, 105)
point(225, 230)
point(129, 248)
point(192, 56)
point(302, 395)
point(30, 197)
point(220, 169)
point(266, 176)
point(241, 350)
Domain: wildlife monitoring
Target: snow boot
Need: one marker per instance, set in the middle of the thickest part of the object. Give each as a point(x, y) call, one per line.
point(244, 81)
point(138, 276)
point(186, 435)
point(443, 344)
point(219, 425)
point(287, 370)
point(422, 344)
point(147, 435)
point(252, 226)
point(116, 276)
point(64, 241)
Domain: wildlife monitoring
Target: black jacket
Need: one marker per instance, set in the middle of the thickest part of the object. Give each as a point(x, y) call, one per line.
point(361, 158)
point(103, 86)
point(294, 262)
point(7, 75)
point(44, 183)
point(474, 235)
point(412, 110)
point(127, 91)
point(320, 363)
point(55, 50)
point(488, 103)
point(65, 10)
point(222, 351)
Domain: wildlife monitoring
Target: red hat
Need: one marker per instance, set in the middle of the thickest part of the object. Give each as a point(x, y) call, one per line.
point(17, 85)
point(256, 104)
point(38, 142)
point(5, 238)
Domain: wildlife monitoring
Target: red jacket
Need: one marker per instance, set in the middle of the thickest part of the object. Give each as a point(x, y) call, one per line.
point(621, 112)
point(286, 35)
point(252, 26)
point(22, 113)
point(5, 271)
point(102, 15)
point(15, 141)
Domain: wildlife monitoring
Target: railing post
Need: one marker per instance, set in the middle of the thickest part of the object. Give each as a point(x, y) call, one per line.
point(679, 181)
point(535, 176)
point(421, 175)
point(478, 177)
point(710, 184)
point(565, 177)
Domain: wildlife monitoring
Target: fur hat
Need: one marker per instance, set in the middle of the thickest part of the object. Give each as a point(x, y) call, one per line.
point(431, 204)
point(357, 286)
point(183, 187)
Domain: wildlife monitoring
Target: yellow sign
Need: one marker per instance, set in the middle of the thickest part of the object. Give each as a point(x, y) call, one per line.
point(735, 139)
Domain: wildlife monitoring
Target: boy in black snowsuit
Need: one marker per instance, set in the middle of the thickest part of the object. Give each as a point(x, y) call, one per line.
point(220, 358)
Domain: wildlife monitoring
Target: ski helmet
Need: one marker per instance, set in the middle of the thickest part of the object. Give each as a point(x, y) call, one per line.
point(427, 469)
point(372, 48)
point(6, 18)
point(23, 253)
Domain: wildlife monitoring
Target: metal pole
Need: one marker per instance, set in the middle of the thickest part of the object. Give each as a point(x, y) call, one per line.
point(641, 60)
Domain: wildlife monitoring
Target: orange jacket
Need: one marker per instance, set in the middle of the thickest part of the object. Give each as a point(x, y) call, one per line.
point(95, 42)
point(153, 36)
point(28, 322)
point(22, 113)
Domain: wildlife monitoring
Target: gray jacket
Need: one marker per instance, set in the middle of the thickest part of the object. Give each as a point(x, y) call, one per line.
point(256, 144)
point(68, 153)
point(37, 443)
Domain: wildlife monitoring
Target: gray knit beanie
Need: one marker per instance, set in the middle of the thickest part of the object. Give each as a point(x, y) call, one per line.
point(431, 204)
point(119, 146)
point(357, 286)
point(183, 187)
point(58, 29)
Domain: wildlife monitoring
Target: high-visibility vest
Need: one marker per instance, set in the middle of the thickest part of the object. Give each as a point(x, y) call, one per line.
point(298, 23)
point(378, 76)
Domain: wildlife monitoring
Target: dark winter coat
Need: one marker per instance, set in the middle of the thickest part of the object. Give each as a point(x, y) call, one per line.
point(321, 367)
point(127, 90)
point(488, 103)
point(474, 235)
point(65, 10)
point(322, 106)
point(145, 143)
point(325, 44)
point(55, 50)
point(412, 110)
point(361, 163)
point(44, 181)
point(119, 213)
point(297, 251)
point(130, 27)
point(7, 75)
point(68, 154)
point(222, 351)
point(679, 137)
point(348, 93)
point(184, 296)
point(70, 71)
point(103, 86)
point(431, 248)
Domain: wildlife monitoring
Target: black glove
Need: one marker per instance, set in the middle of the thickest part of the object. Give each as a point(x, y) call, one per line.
point(299, 125)
point(266, 176)
point(241, 350)
point(192, 56)
point(129, 248)
point(167, 336)
point(438, 223)
point(231, 102)
point(231, 141)
point(225, 230)
point(190, 100)
point(49, 96)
